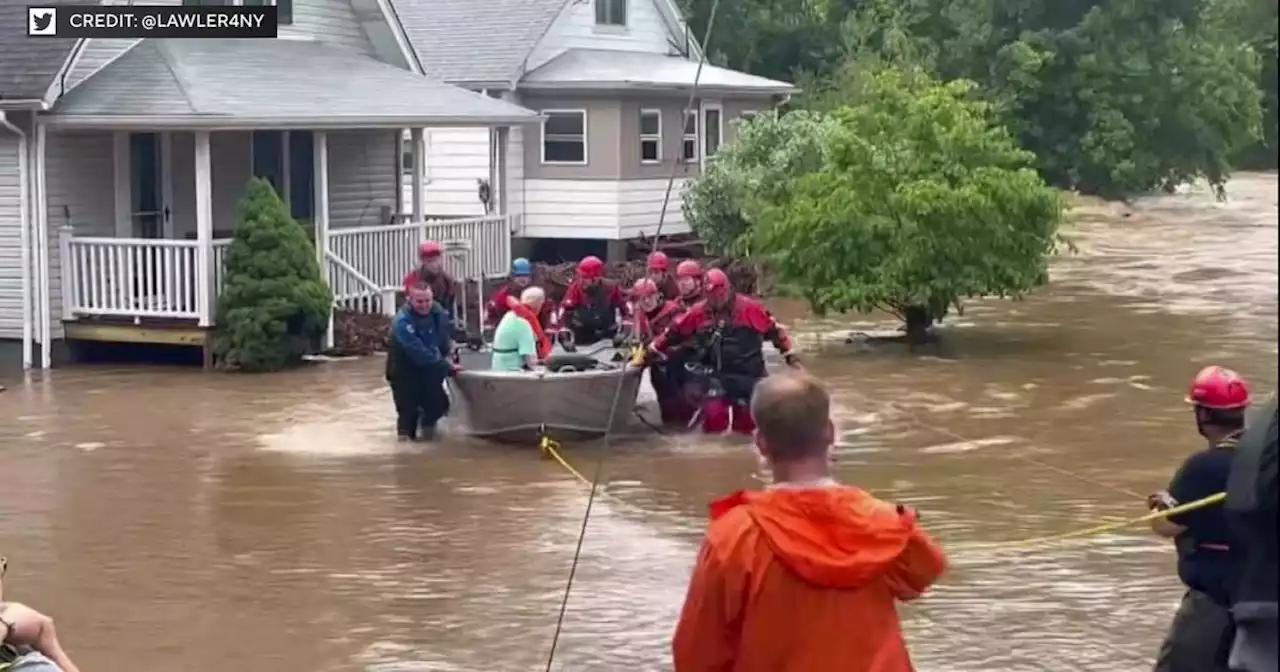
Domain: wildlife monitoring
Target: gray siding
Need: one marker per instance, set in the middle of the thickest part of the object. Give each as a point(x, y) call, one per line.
point(10, 237)
point(361, 180)
point(81, 193)
point(672, 132)
point(604, 121)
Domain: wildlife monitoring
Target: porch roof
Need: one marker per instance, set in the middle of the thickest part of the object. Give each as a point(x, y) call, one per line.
point(281, 83)
point(636, 71)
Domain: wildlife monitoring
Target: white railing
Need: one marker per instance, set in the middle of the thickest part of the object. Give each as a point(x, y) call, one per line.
point(352, 291)
point(128, 277)
point(157, 278)
point(384, 254)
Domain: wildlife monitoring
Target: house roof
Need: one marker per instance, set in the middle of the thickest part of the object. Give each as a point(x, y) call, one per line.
point(478, 43)
point(27, 64)
point(220, 83)
point(626, 70)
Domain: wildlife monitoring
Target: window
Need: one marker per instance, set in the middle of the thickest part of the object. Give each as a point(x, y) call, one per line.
point(689, 143)
point(301, 174)
point(268, 159)
point(284, 8)
point(711, 139)
point(564, 137)
point(611, 13)
point(748, 115)
point(406, 153)
point(650, 136)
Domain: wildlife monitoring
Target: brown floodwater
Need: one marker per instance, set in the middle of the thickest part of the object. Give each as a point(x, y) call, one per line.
point(174, 520)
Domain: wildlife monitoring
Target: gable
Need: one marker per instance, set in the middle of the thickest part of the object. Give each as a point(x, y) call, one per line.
point(359, 26)
point(653, 27)
point(27, 66)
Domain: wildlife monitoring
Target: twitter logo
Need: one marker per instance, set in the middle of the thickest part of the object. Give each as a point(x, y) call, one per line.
point(42, 21)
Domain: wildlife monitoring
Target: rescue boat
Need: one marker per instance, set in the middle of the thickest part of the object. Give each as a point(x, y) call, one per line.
point(583, 392)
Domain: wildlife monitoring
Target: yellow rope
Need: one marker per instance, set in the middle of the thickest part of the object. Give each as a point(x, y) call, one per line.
point(551, 449)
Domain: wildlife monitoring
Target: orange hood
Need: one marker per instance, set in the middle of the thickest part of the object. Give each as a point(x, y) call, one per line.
point(836, 537)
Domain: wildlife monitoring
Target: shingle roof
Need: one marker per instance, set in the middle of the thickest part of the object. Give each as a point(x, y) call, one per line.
point(476, 41)
point(594, 69)
point(27, 64)
point(214, 82)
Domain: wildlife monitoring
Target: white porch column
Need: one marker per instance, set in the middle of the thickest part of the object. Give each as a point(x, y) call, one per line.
point(500, 188)
point(320, 213)
point(419, 178)
point(204, 229)
point(44, 310)
point(493, 172)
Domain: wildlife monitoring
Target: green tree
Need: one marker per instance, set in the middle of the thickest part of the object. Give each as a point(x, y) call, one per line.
point(922, 203)
point(274, 306)
point(1115, 97)
point(767, 152)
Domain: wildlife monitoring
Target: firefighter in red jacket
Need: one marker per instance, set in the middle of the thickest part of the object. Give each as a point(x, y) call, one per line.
point(659, 271)
point(509, 294)
point(430, 272)
point(727, 332)
point(592, 304)
point(689, 283)
point(652, 318)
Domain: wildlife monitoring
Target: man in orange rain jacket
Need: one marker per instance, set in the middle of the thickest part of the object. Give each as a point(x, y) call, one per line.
point(804, 576)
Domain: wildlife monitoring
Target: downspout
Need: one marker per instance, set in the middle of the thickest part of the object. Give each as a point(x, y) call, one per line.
point(24, 217)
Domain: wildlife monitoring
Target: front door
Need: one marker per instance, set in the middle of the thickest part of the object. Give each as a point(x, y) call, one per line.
point(147, 209)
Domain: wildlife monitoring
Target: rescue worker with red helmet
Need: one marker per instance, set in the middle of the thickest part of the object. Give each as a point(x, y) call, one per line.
point(507, 296)
point(689, 282)
point(658, 269)
point(653, 316)
point(592, 304)
point(727, 332)
point(430, 272)
point(1200, 637)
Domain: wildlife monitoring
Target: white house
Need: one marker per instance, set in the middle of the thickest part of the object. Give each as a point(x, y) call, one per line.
point(122, 162)
point(612, 79)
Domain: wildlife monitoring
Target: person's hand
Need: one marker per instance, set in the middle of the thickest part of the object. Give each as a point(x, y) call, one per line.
point(454, 368)
point(1161, 501)
point(28, 627)
point(791, 360)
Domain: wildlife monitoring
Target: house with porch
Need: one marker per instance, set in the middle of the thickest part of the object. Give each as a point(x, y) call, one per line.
point(122, 163)
point(612, 79)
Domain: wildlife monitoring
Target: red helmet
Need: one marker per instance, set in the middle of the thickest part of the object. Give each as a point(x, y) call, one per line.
point(590, 268)
point(689, 269)
point(644, 287)
point(1218, 388)
point(429, 249)
point(717, 283)
point(658, 262)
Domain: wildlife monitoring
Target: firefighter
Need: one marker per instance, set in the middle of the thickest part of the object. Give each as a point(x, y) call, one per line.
point(592, 304)
point(729, 331)
point(658, 268)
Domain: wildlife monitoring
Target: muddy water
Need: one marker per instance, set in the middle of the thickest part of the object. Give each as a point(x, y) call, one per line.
point(177, 521)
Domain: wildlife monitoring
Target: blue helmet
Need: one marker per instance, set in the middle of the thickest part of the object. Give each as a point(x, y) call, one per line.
point(520, 266)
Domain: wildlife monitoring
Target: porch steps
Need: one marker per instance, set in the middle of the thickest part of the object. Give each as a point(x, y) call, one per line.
point(142, 331)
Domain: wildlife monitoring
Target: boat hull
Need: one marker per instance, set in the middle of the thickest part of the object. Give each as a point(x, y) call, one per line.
point(514, 407)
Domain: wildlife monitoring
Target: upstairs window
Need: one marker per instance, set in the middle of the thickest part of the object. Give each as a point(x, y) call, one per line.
point(611, 13)
point(284, 8)
point(689, 143)
point(650, 136)
point(564, 137)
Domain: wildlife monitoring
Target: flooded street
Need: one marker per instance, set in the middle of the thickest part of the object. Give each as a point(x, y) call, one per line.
point(173, 520)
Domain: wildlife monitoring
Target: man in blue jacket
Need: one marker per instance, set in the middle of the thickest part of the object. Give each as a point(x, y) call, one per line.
point(418, 361)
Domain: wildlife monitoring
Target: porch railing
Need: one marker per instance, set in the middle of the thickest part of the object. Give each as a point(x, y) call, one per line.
point(157, 278)
point(129, 277)
point(353, 291)
point(384, 254)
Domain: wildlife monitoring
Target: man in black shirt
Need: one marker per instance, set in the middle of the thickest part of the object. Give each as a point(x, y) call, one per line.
point(1200, 637)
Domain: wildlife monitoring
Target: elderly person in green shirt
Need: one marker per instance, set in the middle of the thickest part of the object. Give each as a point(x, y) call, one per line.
point(515, 343)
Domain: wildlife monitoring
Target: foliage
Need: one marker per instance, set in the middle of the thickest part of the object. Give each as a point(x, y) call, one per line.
point(1114, 97)
point(275, 305)
point(768, 150)
point(922, 202)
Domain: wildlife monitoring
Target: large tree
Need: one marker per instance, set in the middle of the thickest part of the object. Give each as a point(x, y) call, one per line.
point(922, 202)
